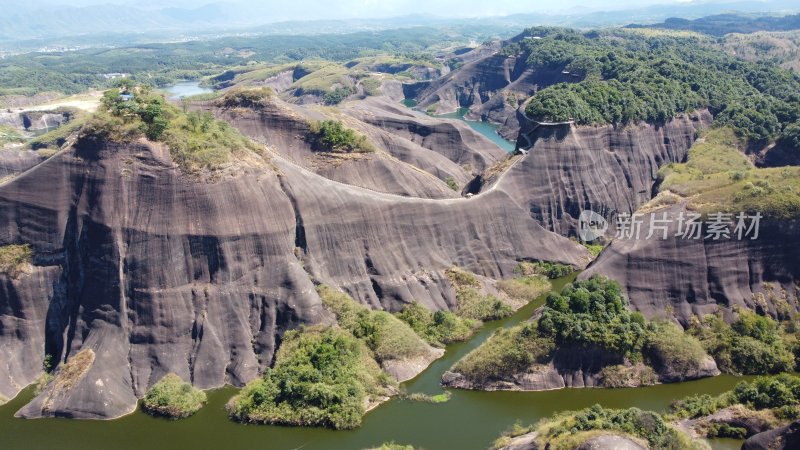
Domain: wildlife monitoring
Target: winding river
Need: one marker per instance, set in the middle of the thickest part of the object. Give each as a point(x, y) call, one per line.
point(470, 420)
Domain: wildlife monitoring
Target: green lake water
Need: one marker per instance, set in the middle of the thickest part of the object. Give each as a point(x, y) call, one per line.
point(470, 420)
point(485, 128)
point(488, 129)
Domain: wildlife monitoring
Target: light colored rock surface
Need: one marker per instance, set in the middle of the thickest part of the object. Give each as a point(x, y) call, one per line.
point(698, 276)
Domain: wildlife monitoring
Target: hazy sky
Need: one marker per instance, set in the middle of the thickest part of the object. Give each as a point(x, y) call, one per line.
point(381, 8)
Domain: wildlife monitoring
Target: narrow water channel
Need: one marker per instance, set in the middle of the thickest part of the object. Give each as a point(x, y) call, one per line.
point(470, 420)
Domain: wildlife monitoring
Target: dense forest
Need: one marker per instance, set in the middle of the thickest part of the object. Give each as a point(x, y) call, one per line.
point(624, 76)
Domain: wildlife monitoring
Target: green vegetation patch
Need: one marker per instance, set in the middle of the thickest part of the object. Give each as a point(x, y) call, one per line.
point(384, 334)
point(593, 313)
point(752, 344)
point(471, 303)
point(717, 177)
point(196, 140)
point(525, 288)
point(247, 98)
point(619, 76)
point(9, 135)
point(14, 258)
point(568, 430)
point(425, 398)
point(549, 269)
point(333, 136)
point(774, 400)
point(321, 377)
point(69, 374)
point(590, 315)
point(393, 446)
point(173, 398)
point(437, 328)
point(667, 346)
point(507, 351)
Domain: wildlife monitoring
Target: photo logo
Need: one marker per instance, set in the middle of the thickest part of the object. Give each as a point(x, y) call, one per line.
point(591, 225)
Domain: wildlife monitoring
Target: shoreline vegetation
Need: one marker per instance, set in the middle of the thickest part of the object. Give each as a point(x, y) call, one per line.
point(173, 398)
point(330, 376)
point(587, 324)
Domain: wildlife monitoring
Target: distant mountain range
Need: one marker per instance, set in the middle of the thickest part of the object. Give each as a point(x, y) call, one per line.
point(722, 24)
point(26, 28)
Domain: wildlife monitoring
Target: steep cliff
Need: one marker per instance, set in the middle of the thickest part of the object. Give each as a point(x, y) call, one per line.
point(696, 276)
point(156, 271)
point(571, 168)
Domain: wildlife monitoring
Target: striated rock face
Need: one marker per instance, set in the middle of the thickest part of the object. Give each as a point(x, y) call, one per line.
point(569, 169)
point(14, 161)
point(784, 438)
point(160, 272)
point(695, 276)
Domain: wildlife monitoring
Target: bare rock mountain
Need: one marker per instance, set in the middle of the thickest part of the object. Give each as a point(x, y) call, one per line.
point(156, 271)
point(697, 276)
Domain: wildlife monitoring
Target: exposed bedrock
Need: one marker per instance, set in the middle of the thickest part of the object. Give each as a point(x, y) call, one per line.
point(14, 161)
point(609, 170)
point(160, 272)
point(415, 154)
point(784, 438)
point(694, 276)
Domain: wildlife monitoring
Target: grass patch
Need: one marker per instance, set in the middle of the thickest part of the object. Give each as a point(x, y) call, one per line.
point(333, 136)
point(717, 177)
point(15, 258)
point(393, 446)
point(372, 86)
point(173, 398)
point(322, 78)
point(247, 98)
point(525, 288)
point(425, 398)
point(68, 375)
point(507, 351)
point(668, 346)
point(322, 377)
point(437, 328)
point(471, 303)
point(451, 183)
point(9, 135)
point(384, 334)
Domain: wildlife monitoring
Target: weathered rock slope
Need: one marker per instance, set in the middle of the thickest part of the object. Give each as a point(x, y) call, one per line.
point(569, 169)
point(696, 276)
point(414, 156)
point(159, 272)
